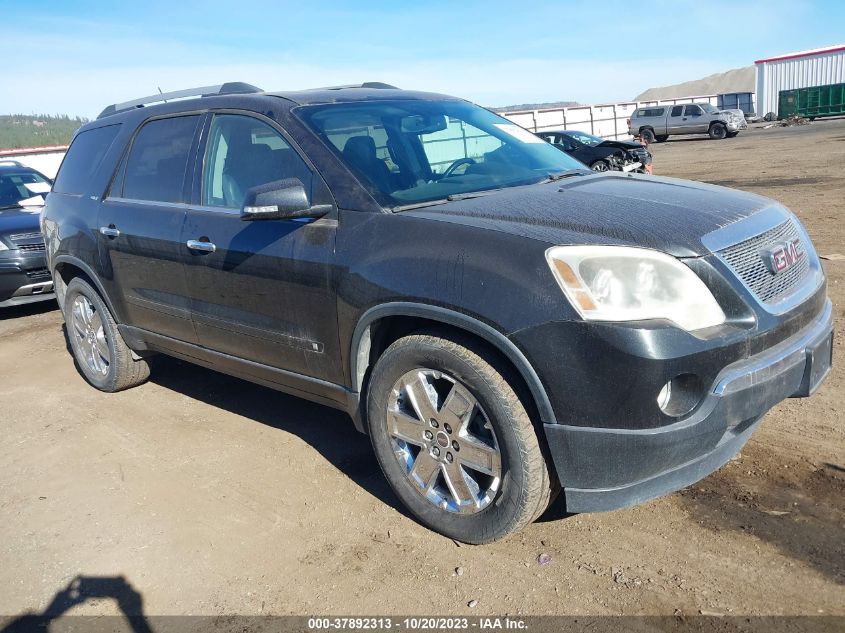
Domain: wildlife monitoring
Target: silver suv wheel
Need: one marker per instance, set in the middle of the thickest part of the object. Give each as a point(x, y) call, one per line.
point(444, 441)
point(91, 341)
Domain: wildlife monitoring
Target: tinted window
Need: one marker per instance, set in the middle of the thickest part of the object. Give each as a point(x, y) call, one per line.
point(676, 110)
point(646, 112)
point(244, 152)
point(155, 168)
point(83, 158)
point(692, 110)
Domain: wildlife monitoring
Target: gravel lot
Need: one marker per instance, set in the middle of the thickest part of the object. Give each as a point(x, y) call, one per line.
point(209, 495)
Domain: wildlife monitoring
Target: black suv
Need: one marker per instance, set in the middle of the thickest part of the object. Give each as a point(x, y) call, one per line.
point(501, 321)
point(24, 277)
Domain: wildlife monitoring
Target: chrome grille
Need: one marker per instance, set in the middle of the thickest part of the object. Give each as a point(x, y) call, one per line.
point(28, 242)
point(31, 247)
point(37, 274)
point(747, 262)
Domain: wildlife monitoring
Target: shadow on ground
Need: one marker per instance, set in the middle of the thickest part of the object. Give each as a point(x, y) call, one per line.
point(80, 590)
point(28, 309)
point(329, 431)
point(798, 508)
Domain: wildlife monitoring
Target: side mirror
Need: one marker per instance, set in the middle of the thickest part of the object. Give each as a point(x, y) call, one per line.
point(278, 200)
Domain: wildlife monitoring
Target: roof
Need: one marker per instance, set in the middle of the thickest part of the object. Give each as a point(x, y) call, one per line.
point(369, 91)
point(350, 94)
point(809, 53)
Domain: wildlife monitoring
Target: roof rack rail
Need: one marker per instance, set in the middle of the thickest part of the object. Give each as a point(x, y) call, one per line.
point(378, 85)
point(9, 161)
point(232, 87)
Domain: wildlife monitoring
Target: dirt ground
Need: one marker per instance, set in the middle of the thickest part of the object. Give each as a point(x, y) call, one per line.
point(209, 495)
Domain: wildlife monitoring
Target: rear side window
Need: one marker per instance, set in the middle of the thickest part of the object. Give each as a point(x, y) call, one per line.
point(156, 165)
point(652, 112)
point(676, 110)
point(83, 158)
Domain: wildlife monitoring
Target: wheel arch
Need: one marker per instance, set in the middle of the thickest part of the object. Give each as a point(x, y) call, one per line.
point(65, 268)
point(379, 326)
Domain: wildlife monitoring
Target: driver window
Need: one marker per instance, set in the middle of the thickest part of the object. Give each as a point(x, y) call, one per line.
point(692, 110)
point(460, 141)
point(244, 152)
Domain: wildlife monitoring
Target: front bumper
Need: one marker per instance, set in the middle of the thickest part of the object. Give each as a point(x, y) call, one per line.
point(24, 279)
point(605, 469)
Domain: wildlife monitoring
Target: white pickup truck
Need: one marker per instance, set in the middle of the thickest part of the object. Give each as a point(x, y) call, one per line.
point(659, 122)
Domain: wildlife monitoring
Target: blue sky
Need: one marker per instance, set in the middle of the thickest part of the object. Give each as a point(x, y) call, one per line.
point(75, 57)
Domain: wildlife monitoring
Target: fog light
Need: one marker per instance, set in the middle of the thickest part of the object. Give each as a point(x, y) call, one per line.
point(680, 395)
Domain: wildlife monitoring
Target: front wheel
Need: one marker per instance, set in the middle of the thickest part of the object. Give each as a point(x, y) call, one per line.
point(100, 352)
point(600, 165)
point(718, 131)
point(454, 440)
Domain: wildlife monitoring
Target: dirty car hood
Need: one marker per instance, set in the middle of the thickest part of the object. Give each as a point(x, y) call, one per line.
point(19, 219)
point(665, 214)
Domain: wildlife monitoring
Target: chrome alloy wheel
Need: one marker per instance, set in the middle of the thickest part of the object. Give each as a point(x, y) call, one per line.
point(444, 441)
point(90, 336)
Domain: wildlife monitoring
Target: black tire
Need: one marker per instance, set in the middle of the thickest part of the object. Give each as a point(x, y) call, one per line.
point(661, 138)
point(120, 370)
point(718, 131)
point(600, 166)
point(526, 484)
point(732, 134)
point(647, 134)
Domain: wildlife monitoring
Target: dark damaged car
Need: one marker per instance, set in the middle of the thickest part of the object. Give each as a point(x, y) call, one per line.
point(24, 277)
point(505, 324)
point(597, 153)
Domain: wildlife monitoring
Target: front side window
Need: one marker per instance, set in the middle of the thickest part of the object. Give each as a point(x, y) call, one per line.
point(409, 151)
point(692, 110)
point(243, 153)
point(156, 165)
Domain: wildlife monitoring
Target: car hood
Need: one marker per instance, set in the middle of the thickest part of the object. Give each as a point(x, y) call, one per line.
point(18, 219)
point(621, 145)
point(664, 214)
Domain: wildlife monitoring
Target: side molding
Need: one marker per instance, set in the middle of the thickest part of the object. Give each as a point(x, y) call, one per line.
point(360, 346)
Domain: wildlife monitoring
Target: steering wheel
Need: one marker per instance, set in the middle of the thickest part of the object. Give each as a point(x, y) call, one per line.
point(461, 161)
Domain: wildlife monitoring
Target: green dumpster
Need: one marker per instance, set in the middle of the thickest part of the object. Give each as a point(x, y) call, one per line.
point(812, 102)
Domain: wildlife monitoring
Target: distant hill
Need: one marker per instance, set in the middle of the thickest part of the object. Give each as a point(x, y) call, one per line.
point(536, 106)
point(22, 130)
point(736, 80)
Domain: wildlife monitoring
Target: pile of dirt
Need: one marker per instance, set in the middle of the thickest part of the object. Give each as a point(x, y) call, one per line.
point(790, 121)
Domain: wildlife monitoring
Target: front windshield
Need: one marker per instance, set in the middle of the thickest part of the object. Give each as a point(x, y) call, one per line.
point(13, 187)
point(586, 139)
point(709, 109)
point(410, 152)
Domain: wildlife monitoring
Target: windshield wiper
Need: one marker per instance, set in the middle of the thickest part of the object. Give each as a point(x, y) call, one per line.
point(565, 174)
point(9, 206)
point(471, 194)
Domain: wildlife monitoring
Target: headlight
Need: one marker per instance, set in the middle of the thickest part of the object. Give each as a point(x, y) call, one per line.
point(620, 283)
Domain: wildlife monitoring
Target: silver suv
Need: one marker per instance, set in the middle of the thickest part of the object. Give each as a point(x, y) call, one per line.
point(658, 122)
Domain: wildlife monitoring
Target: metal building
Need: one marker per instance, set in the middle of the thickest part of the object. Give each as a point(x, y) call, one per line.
point(806, 69)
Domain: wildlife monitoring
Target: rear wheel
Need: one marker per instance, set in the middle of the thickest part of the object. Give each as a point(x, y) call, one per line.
point(454, 440)
point(718, 131)
point(102, 356)
point(647, 134)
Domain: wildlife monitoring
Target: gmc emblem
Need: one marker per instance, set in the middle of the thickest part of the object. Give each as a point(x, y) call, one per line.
point(782, 256)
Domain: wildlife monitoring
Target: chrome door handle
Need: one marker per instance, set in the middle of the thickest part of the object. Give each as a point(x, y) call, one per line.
point(206, 247)
point(109, 231)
